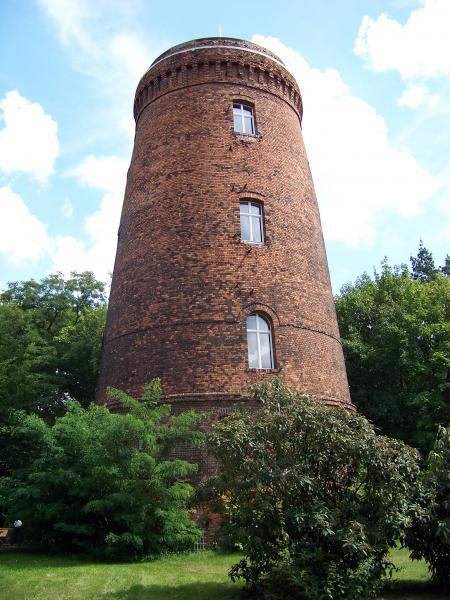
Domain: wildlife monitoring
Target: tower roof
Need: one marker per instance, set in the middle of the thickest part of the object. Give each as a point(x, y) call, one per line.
point(224, 60)
point(217, 42)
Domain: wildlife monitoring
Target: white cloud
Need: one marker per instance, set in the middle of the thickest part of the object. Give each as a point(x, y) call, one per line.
point(102, 173)
point(23, 237)
point(131, 54)
point(416, 95)
point(103, 40)
point(419, 48)
point(107, 174)
point(101, 47)
point(29, 140)
point(359, 176)
point(69, 254)
point(71, 18)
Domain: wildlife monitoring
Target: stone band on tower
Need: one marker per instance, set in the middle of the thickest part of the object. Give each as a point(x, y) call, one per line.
point(221, 278)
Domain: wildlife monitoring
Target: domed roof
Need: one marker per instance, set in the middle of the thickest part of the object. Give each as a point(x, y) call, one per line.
point(218, 42)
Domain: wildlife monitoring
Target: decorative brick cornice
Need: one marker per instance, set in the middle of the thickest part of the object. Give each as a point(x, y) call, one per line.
point(221, 64)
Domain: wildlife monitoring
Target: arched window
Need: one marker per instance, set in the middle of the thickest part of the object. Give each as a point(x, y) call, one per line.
point(243, 118)
point(252, 229)
point(259, 340)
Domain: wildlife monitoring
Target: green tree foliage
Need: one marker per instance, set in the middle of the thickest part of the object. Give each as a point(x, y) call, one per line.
point(50, 334)
point(312, 494)
point(395, 332)
point(429, 535)
point(103, 482)
point(423, 264)
point(445, 269)
point(50, 342)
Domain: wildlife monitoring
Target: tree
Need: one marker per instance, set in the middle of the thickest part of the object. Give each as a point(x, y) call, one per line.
point(104, 482)
point(395, 329)
point(20, 343)
point(445, 269)
point(51, 334)
point(314, 497)
point(54, 300)
point(423, 264)
point(428, 536)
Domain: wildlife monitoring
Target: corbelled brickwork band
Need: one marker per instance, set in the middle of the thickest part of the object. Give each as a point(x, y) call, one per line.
point(184, 282)
point(216, 61)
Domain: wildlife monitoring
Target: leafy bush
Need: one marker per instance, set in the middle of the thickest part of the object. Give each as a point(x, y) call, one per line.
point(312, 494)
point(429, 535)
point(104, 482)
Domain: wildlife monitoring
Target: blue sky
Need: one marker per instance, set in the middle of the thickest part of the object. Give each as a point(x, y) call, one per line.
point(375, 79)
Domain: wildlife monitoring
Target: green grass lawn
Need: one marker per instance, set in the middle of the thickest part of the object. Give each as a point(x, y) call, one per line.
point(201, 576)
point(412, 581)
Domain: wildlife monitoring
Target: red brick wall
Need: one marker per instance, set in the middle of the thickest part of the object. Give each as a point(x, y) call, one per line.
point(183, 281)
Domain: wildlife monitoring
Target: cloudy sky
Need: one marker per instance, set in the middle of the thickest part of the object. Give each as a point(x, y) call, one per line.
point(375, 79)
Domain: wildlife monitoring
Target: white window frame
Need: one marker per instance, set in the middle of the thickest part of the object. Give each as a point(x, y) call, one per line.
point(238, 110)
point(260, 332)
point(251, 217)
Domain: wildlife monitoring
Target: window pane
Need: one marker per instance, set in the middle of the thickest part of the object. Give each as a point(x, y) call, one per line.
point(243, 118)
point(266, 353)
point(245, 228)
point(248, 123)
point(251, 322)
point(243, 207)
point(252, 351)
point(261, 231)
point(263, 325)
point(256, 230)
point(255, 209)
point(237, 123)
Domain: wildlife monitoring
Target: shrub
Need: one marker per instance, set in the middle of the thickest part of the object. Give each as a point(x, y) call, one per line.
point(429, 534)
point(313, 496)
point(104, 482)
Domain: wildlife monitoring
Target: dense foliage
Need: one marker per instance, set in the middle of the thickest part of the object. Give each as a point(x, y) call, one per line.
point(429, 535)
point(101, 482)
point(51, 334)
point(395, 332)
point(312, 494)
point(50, 342)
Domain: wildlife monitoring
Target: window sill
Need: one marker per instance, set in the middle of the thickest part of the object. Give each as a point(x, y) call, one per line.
point(247, 137)
point(257, 244)
point(255, 370)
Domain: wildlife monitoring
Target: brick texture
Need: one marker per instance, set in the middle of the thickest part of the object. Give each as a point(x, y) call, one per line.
point(183, 281)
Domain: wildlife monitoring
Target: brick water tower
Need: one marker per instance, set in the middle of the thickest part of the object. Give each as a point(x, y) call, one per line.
point(221, 276)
